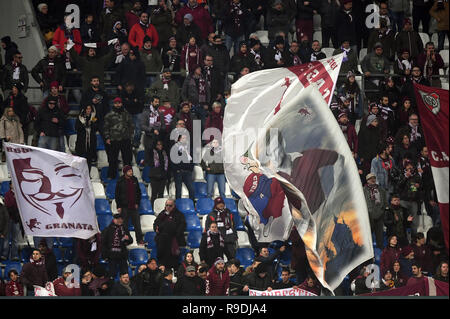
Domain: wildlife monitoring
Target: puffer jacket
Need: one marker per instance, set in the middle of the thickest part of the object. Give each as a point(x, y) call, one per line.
point(118, 125)
point(13, 128)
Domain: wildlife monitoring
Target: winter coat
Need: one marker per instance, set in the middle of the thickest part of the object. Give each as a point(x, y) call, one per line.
point(277, 20)
point(151, 59)
point(185, 32)
point(407, 189)
point(383, 178)
point(351, 64)
point(44, 122)
point(14, 289)
point(396, 227)
point(201, 16)
point(368, 140)
point(388, 257)
point(328, 13)
point(237, 283)
point(13, 128)
point(132, 71)
point(121, 194)
point(191, 57)
point(235, 21)
point(239, 61)
point(346, 27)
point(207, 254)
point(189, 286)
point(138, 33)
point(438, 64)
point(107, 242)
point(387, 39)
point(119, 290)
point(33, 274)
point(375, 64)
point(255, 282)
point(118, 125)
point(220, 56)
point(423, 255)
point(212, 162)
point(376, 210)
point(91, 66)
point(7, 81)
point(102, 107)
point(191, 87)
point(4, 221)
point(86, 144)
point(229, 233)
point(351, 137)
point(166, 288)
point(409, 40)
point(107, 20)
point(217, 283)
point(86, 255)
point(170, 228)
point(62, 290)
point(162, 20)
point(50, 264)
point(172, 93)
point(132, 103)
point(60, 39)
point(48, 70)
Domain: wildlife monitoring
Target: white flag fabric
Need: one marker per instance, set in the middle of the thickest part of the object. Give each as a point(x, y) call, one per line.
point(290, 164)
point(280, 292)
point(53, 192)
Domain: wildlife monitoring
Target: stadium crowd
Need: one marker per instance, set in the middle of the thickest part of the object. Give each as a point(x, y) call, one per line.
point(135, 71)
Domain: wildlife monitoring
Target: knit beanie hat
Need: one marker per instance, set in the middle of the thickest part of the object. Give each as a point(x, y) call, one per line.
point(218, 261)
point(126, 168)
point(370, 119)
point(218, 200)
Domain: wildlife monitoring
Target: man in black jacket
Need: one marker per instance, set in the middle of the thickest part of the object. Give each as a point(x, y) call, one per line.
point(128, 197)
point(169, 227)
point(14, 72)
point(50, 126)
point(236, 278)
point(48, 70)
point(115, 239)
point(98, 98)
point(123, 287)
point(132, 70)
point(190, 284)
point(345, 24)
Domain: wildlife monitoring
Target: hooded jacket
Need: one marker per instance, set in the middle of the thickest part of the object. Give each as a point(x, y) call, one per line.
point(217, 283)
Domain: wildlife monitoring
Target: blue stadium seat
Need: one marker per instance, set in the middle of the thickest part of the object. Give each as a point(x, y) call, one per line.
point(185, 205)
point(25, 254)
point(69, 255)
point(70, 126)
point(102, 206)
point(100, 143)
point(238, 221)
point(154, 253)
point(104, 175)
point(66, 242)
point(130, 226)
point(9, 265)
point(149, 238)
point(4, 188)
point(110, 190)
point(194, 238)
point(146, 174)
point(58, 255)
point(377, 255)
point(145, 207)
point(104, 221)
point(245, 255)
point(137, 256)
point(201, 190)
point(140, 157)
point(205, 206)
point(231, 205)
point(192, 222)
point(143, 190)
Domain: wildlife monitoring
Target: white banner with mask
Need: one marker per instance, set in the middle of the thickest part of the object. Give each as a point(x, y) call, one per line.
point(53, 192)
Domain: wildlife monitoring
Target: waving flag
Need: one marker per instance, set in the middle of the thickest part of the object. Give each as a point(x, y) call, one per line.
point(53, 192)
point(288, 160)
point(433, 109)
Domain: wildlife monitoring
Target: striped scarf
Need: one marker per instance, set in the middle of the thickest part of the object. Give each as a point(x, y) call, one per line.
point(209, 242)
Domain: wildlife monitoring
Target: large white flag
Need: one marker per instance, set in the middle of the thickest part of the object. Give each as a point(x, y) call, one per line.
point(53, 192)
point(288, 160)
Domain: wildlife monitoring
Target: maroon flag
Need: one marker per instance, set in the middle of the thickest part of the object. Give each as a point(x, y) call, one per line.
point(433, 109)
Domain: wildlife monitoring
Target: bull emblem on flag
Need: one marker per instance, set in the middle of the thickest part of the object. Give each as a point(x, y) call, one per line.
point(33, 224)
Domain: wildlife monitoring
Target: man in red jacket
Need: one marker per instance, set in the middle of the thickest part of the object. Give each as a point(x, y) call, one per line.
point(13, 288)
point(142, 29)
point(217, 279)
point(64, 287)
